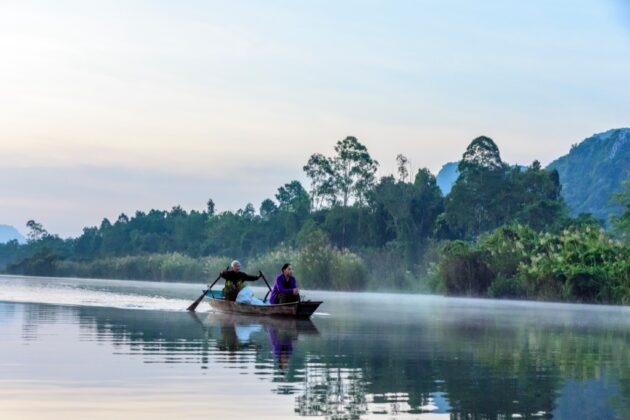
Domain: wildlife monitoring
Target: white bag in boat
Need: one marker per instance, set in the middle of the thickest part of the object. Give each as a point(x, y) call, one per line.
point(246, 295)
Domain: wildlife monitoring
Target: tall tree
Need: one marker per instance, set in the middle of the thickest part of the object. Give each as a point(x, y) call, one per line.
point(489, 193)
point(319, 169)
point(210, 207)
point(476, 200)
point(36, 232)
point(348, 175)
point(402, 163)
point(355, 170)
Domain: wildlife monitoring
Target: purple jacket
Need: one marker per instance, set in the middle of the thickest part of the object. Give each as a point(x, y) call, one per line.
point(282, 286)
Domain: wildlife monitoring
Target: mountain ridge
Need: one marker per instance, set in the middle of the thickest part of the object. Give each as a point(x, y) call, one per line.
point(9, 233)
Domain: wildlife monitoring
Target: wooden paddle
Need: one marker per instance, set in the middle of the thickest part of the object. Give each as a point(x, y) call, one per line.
point(269, 287)
point(196, 303)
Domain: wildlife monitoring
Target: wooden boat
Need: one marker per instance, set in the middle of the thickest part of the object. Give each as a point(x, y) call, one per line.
point(302, 309)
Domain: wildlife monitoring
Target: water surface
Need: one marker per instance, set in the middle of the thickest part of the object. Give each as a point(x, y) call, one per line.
point(102, 348)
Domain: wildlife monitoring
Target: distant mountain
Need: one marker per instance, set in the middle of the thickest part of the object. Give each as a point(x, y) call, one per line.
point(8, 233)
point(447, 176)
point(593, 170)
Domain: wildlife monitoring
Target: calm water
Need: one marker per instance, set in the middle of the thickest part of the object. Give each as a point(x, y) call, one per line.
point(118, 349)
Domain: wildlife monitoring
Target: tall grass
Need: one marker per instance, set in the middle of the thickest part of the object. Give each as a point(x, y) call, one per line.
point(318, 265)
point(155, 267)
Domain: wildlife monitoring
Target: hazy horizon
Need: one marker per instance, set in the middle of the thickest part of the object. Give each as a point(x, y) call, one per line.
point(120, 107)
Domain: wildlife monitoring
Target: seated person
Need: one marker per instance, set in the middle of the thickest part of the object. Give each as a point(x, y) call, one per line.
point(285, 289)
point(234, 280)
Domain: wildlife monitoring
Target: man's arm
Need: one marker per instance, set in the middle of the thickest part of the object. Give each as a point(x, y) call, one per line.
point(247, 277)
point(228, 275)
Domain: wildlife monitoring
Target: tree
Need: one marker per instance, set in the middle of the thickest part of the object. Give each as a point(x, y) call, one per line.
point(267, 209)
point(348, 175)
point(319, 169)
point(177, 211)
point(410, 210)
point(355, 169)
point(481, 153)
point(210, 207)
point(36, 232)
point(489, 193)
point(292, 197)
point(248, 212)
point(402, 162)
point(105, 224)
point(477, 200)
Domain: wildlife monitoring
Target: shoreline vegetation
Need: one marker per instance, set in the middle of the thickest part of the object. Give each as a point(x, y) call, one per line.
point(502, 232)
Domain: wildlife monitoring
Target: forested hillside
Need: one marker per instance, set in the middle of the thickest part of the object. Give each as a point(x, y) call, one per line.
point(593, 171)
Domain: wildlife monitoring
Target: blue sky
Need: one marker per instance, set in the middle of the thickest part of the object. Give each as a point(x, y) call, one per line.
point(118, 106)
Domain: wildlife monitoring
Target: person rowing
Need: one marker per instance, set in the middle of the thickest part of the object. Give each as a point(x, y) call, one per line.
point(234, 280)
point(285, 289)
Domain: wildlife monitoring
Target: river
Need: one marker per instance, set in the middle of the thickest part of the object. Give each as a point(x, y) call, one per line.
point(80, 348)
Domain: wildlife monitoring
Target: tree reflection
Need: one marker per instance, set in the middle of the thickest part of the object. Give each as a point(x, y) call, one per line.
point(469, 368)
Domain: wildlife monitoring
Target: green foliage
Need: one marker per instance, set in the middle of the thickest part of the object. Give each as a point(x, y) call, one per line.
point(489, 193)
point(349, 174)
point(462, 270)
point(293, 197)
point(42, 263)
point(506, 287)
point(481, 153)
point(578, 264)
point(11, 252)
point(404, 214)
point(36, 231)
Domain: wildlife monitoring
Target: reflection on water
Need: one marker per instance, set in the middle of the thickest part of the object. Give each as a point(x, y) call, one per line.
point(446, 357)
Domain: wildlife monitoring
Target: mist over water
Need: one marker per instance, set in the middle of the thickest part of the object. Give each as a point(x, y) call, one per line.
point(77, 348)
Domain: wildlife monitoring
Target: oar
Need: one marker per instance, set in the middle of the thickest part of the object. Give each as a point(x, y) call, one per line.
point(269, 287)
point(196, 303)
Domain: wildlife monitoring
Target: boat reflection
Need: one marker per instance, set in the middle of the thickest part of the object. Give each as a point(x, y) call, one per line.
point(239, 332)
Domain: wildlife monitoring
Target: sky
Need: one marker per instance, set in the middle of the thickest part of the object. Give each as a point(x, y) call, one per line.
point(117, 106)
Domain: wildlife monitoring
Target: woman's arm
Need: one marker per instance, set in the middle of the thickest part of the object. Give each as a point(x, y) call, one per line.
point(281, 288)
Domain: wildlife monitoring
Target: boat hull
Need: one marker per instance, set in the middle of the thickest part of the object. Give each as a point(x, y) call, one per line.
point(290, 310)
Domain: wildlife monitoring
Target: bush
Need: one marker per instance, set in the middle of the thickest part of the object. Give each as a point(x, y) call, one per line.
point(507, 287)
point(462, 270)
point(582, 263)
